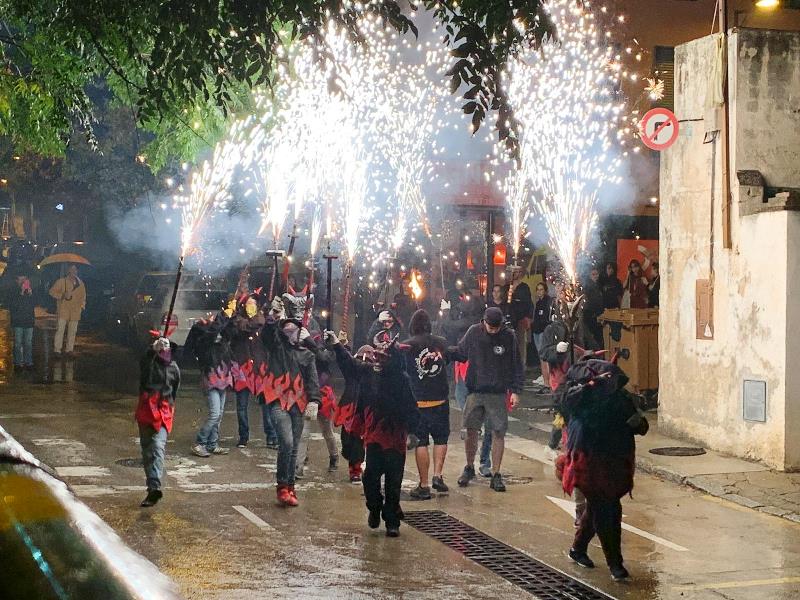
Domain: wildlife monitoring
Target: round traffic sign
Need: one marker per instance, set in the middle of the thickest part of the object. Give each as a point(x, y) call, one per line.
point(659, 129)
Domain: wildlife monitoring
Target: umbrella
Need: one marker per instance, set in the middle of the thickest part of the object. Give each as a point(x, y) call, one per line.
point(64, 257)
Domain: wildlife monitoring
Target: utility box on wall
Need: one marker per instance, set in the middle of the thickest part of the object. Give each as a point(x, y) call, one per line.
point(754, 401)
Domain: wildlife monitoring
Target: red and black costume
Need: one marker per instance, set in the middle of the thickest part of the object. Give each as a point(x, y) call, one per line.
point(346, 415)
point(602, 418)
point(248, 368)
point(389, 412)
point(289, 384)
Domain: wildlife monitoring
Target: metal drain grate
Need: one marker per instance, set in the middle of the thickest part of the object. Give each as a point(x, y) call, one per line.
point(520, 569)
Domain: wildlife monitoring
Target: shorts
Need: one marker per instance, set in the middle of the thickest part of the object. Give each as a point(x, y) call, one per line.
point(488, 408)
point(434, 422)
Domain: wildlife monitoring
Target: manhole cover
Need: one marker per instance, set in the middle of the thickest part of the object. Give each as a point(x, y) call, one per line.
point(130, 462)
point(678, 451)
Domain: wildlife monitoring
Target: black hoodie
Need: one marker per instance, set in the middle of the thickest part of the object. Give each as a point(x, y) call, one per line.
point(425, 357)
point(495, 366)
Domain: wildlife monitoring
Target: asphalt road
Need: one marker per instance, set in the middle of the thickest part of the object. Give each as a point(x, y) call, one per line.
point(219, 533)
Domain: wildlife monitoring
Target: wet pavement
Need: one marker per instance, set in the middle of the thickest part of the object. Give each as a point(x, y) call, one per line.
point(219, 534)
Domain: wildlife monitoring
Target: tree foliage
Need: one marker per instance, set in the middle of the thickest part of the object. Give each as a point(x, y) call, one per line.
point(184, 66)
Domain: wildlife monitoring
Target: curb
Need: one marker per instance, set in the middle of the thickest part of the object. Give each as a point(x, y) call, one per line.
point(703, 484)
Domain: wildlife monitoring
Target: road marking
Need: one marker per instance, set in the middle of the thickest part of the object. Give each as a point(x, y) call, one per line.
point(35, 416)
point(722, 585)
point(569, 507)
point(546, 427)
point(253, 518)
point(83, 471)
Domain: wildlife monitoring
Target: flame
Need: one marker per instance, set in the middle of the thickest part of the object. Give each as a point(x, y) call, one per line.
point(415, 285)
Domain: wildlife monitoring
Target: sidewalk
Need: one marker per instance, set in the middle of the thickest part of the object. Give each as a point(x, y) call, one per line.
point(742, 482)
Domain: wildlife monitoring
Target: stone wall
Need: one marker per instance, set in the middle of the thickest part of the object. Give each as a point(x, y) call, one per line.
point(756, 281)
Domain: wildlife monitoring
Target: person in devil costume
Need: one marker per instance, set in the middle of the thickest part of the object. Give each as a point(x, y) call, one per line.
point(389, 411)
point(289, 392)
point(346, 414)
point(209, 343)
point(599, 460)
point(159, 380)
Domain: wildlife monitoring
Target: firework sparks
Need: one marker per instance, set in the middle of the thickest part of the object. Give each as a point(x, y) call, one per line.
point(570, 113)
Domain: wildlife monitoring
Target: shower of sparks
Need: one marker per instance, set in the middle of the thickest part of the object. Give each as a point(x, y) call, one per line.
point(209, 187)
point(316, 232)
point(654, 88)
point(566, 99)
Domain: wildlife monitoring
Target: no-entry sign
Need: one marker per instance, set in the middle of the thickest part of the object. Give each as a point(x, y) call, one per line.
point(659, 129)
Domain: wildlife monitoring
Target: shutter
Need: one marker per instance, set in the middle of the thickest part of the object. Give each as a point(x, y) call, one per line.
point(664, 69)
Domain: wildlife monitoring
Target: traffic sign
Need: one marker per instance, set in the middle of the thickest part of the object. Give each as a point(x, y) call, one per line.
point(659, 129)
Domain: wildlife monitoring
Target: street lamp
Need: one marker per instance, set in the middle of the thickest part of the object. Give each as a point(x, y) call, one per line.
point(767, 3)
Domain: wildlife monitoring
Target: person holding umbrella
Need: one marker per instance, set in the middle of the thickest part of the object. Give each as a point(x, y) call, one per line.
point(70, 295)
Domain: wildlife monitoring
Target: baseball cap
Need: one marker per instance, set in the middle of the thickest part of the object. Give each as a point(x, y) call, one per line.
point(493, 316)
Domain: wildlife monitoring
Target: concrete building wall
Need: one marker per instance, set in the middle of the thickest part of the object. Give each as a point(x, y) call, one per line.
point(756, 281)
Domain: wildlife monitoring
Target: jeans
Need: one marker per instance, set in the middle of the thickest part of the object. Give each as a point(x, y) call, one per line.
point(326, 426)
point(268, 425)
point(461, 394)
point(242, 399)
point(289, 426)
point(71, 328)
point(23, 346)
point(390, 464)
point(208, 436)
point(154, 444)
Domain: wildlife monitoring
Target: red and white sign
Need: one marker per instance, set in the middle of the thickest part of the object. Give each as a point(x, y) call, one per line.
point(659, 129)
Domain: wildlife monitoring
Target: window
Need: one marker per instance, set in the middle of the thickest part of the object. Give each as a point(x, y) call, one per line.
point(664, 68)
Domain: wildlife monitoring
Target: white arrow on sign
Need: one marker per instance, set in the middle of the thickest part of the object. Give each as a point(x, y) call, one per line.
point(569, 507)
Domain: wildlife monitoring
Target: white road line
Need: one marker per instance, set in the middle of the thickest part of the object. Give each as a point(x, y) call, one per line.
point(83, 471)
point(726, 585)
point(253, 518)
point(546, 427)
point(35, 416)
point(569, 507)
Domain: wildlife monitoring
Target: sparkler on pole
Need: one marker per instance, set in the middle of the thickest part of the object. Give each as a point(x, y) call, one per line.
point(329, 258)
point(168, 317)
point(570, 110)
point(316, 230)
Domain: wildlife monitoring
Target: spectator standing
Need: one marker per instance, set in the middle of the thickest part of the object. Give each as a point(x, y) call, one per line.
point(70, 295)
point(499, 299)
point(635, 289)
point(592, 309)
point(611, 287)
point(21, 307)
point(521, 311)
point(654, 287)
point(542, 316)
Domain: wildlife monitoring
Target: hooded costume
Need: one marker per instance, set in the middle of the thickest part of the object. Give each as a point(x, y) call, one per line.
point(599, 459)
point(159, 380)
point(378, 334)
point(289, 385)
point(209, 342)
point(386, 412)
point(249, 357)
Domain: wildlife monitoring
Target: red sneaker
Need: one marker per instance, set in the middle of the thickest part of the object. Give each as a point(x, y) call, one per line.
point(355, 473)
point(293, 495)
point(285, 497)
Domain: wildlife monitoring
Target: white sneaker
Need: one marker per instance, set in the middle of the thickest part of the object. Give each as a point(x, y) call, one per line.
point(539, 380)
point(200, 451)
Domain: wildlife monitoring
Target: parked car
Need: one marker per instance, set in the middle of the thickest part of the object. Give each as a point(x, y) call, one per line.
point(191, 305)
point(132, 295)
